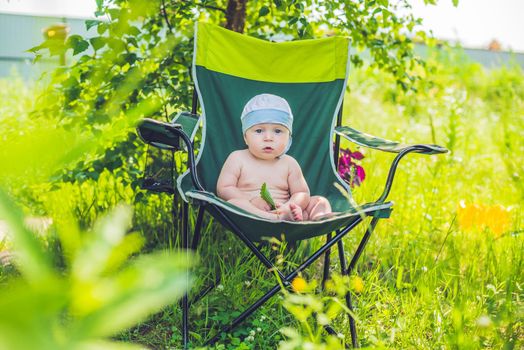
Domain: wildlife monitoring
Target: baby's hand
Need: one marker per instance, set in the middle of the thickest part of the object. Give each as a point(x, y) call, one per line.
point(260, 203)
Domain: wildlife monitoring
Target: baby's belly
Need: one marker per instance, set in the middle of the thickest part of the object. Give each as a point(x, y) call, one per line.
point(279, 196)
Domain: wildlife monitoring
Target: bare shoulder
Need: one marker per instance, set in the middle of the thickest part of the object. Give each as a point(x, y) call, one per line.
point(238, 156)
point(236, 159)
point(241, 153)
point(290, 161)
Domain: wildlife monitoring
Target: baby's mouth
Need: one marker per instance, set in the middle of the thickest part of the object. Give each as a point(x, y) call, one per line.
point(268, 148)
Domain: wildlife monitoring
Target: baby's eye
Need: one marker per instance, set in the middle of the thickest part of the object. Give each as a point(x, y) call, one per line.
point(278, 131)
point(258, 131)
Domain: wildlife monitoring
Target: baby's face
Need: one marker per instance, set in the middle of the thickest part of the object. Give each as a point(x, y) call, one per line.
point(267, 141)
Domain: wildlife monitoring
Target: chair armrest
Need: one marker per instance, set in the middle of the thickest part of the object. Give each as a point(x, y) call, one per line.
point(159, 134)
point(378, 143)
point(167, 135)
point(374, 142)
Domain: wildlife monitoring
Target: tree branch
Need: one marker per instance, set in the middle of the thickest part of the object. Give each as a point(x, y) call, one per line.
point(165, 17)
point(211, 7)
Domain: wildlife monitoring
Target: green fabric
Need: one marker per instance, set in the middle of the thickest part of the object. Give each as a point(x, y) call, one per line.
point(319, 60)
point(188, 121)
point(256, 228)
point(374, 142)
point(314, 107)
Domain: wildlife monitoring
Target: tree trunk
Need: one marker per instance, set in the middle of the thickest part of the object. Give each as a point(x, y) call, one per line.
point(236, 15)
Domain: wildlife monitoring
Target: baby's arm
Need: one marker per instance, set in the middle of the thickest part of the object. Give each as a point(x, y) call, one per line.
point(298, 188)
point(228, 179)
point(227, 187)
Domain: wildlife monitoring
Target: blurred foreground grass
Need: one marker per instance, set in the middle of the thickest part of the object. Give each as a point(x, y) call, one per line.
point(61, 286)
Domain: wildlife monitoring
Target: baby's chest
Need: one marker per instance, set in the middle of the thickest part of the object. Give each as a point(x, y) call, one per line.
point(254, 177)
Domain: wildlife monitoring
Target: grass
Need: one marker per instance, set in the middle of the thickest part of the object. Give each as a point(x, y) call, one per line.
point(445, 271)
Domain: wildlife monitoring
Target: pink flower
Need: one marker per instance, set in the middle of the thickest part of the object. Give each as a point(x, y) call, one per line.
point(349, 168)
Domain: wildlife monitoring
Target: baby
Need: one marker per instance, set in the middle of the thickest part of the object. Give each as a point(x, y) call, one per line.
point(267, 125)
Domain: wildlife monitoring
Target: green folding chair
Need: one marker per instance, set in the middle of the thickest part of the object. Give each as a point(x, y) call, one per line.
point(230, 68)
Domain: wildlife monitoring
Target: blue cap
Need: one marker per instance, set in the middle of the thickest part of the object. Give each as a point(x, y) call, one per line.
point(267, 108)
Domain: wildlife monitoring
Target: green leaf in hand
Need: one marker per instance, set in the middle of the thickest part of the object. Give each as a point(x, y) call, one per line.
point(264, 193)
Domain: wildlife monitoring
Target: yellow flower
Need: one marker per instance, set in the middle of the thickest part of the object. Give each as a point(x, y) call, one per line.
point(497, 219)
point(478, 216)
point(299, 284)
point(468, 215)
point(357, 284)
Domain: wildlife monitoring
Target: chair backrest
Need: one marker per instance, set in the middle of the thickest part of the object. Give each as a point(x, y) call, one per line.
point(230, 68)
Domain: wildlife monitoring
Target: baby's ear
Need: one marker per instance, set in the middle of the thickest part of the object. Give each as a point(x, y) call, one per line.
point(245, 141)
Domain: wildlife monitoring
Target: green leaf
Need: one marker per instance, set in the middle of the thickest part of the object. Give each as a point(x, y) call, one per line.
point(133, 31)
point(150, 283)
point(77, 43)
point(264, 10)
point(32, 261)
point(114, 13)
point(129, 57)
point(37, 48)
point(29, 314)
point(37, 58)
point(110, 231)
point(116, 44)
point(90, 23)
point(102, 27)
point(299, 6)
point(97, 42)
point(264, 193)
point(293, 20)
point(377, 42)
point(132, 41)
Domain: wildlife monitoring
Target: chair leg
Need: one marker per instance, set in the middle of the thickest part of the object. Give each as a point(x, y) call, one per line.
point(325, 276)
point(185, 303)
point(350, 268)
point(194, 246)
point(198, 227)
point(362, 245)
point(352, 326)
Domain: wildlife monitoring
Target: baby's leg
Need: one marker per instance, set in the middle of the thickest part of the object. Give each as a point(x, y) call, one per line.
point(246, 205)
point(317, 207)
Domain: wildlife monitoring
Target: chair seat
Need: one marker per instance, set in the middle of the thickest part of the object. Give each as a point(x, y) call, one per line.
point(257, 228)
